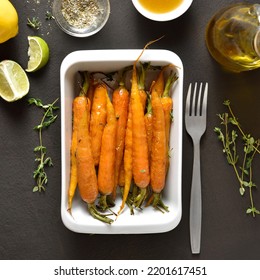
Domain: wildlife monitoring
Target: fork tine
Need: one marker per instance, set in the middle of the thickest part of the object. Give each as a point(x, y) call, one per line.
point(198, 111)
point(187, 111)
point(193, 108)
point(204, 103)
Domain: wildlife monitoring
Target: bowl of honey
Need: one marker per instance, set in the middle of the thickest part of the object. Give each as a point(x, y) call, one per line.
point(159, 10)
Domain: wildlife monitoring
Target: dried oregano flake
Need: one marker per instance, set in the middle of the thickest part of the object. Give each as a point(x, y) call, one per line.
point(81, 13)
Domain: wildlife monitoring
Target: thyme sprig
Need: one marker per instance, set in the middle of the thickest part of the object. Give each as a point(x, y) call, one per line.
point(242, 166)
point(43, 160)
point(34, 23)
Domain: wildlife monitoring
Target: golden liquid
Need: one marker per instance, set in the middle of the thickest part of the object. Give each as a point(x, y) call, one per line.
point(160, 6)
point(230, 38)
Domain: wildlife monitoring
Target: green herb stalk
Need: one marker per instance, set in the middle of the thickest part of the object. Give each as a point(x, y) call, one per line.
point(244, 171)
point(48, 118)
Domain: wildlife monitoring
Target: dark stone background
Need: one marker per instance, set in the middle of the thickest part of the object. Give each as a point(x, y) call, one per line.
point(30, 223)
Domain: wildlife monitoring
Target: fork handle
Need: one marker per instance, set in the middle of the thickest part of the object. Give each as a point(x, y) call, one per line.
point(195, 202)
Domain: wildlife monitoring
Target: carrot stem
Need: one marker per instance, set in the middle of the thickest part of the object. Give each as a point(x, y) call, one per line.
point(95, 214)
point(158, 203)
point(105, 202)
point(140, 198)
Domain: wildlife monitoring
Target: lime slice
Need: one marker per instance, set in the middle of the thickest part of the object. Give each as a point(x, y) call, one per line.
point(38, 53)
point(14, 83)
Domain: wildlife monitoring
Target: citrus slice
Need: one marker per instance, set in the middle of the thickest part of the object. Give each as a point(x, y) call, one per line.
point(38, 53)
point(14, 83)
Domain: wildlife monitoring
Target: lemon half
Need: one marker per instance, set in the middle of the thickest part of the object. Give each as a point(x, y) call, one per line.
point(38, 53)
point(8, 21)
point(14, 83)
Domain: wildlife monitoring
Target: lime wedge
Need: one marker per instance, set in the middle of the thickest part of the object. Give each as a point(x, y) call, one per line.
point(14, 83)
point(38, 53)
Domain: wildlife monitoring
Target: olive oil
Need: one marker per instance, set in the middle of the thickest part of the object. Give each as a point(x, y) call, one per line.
point(160, 6)
point(233, 37)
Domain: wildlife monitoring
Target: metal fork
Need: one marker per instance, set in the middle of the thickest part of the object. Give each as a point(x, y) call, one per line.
point(195, 120)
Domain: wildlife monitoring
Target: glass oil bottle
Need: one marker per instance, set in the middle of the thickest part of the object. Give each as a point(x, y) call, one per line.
point(233, 37)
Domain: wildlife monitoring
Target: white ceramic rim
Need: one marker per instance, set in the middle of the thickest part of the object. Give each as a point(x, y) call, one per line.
point(183, 7)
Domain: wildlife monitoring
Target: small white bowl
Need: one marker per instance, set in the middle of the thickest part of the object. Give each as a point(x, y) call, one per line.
point(175, 13)
point(149, 220)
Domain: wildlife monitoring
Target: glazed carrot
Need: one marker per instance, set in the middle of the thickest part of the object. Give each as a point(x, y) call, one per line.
point(86, 173)
point(148, 125)
point(78, 107)
point(87, 180)
point(91, 89)
point(158, 152)
point(159, 83)
point(167, 104)
point(98, 119)
point(141, 83)
point(128, 160)
point(121, 177)
point(106, 169)
point(158, 86)
point(158, 148)
point(141, 172)
point(120, 99)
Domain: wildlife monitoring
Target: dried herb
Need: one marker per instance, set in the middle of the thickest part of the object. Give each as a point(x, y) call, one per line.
point(80, 13)
point(49, 15)
point(34, 23)
point(242, 166)
point(43, 161)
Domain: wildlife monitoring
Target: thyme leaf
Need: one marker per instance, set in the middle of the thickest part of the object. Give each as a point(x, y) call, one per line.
point(240, 161)
point(49, 15)
point(34, 23)
point(49, 116)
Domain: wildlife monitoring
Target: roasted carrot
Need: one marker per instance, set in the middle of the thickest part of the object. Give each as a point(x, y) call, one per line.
point(106, 168)
point(159, 83)
point(98, 119)
point(121, 177)
point(128, 160)
point(78, 107)
point(86, 173)
point(167, 104)
point(141, 83)
point(141, 172)
point(158, 150)
point(91, 89)
point(120, 100)
point(148, 125)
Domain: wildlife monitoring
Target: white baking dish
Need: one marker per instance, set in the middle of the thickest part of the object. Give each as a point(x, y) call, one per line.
point(148, 220)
